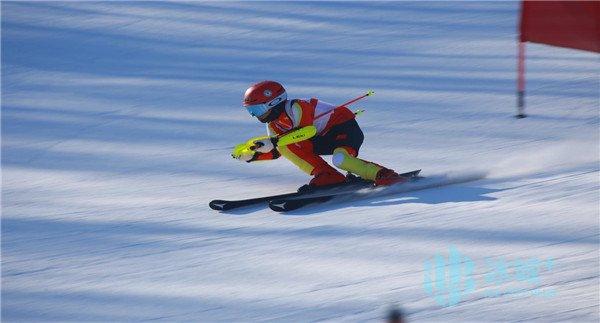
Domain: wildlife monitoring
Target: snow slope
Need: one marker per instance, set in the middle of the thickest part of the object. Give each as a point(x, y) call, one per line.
point(117, 123)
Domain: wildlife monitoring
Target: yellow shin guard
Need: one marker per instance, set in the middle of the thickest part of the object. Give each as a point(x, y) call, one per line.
point(366, 170)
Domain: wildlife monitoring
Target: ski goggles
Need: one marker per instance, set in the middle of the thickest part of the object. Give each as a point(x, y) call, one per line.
point(258, 110)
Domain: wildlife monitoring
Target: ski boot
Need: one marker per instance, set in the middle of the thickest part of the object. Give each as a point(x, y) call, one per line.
point(328, 177)
point(386, 176)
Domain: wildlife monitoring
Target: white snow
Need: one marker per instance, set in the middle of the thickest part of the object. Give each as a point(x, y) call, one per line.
point(118, 119)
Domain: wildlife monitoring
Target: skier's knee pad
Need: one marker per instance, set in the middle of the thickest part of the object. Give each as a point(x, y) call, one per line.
point(338, 159)
point(339, 156)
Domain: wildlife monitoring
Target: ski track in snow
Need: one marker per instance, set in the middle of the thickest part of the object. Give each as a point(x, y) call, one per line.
point(118, 118)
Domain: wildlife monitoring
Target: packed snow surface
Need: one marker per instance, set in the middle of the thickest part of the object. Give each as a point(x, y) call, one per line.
point(118, 119)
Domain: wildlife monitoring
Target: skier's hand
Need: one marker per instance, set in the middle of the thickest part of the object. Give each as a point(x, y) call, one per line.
point(264, 145)
point(247, 157)
point(240, 152)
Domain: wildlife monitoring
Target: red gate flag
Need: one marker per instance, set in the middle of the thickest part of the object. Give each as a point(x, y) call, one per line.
point(572, 24)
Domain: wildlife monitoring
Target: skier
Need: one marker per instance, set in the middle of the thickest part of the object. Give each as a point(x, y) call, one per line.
point(338, 134)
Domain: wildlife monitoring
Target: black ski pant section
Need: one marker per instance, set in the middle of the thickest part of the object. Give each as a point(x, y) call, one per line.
point(345, 134)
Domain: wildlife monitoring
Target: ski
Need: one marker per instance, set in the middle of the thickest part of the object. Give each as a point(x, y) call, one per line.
point(295, 202)
point(224, 205)
point(301, 197)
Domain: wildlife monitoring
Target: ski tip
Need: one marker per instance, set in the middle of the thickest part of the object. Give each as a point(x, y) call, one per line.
point(413, 173)
point(218, 205)
point(278, 206)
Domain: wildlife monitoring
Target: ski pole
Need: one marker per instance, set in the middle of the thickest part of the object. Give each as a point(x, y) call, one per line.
point(369, 93)
point(358, 98)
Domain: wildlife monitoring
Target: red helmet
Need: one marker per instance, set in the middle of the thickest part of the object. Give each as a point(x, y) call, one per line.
point(262, 97)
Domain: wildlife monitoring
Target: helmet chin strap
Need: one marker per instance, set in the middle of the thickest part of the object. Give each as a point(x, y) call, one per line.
point(274, 113)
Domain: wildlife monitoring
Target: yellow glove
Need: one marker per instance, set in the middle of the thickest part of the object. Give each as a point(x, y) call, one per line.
point(244, 153)
point(249, 150)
